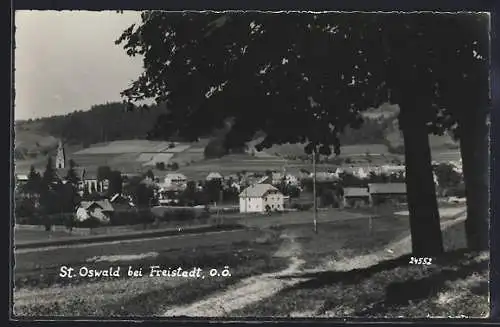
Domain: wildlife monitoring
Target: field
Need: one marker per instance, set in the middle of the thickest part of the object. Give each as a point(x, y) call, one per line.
point(350, 268)
point(284, 150)
point(234, 163)
point(126, 146)
point(30, 137)
point(126, 155)
point(141, 155)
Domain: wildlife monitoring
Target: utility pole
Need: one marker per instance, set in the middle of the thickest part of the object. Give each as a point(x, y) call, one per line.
point(315, 204)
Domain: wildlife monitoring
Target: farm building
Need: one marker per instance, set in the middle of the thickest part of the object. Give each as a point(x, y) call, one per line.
point(174, 180)
point(214, 176)
point(387, 192)
point(261, 198)
point(355, 197)
point(101, 210)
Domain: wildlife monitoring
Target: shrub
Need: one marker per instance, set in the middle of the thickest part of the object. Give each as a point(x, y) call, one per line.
point(160, 165)
point(34, 219)
point(184, 215)
point(173, 166)
point(458, 191)
point(91, 222)
point(132, 217)
point(145, 216)
point(60, 219)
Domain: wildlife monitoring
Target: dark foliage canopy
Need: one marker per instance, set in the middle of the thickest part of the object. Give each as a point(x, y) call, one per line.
point(303, 77)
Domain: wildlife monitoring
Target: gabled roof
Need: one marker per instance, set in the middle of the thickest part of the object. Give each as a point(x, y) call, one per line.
point(214, 175)
point(257, 190)
point(175, 176)
point(104, 204)
point(356, 192)
point(264, 179)
point(387, 188)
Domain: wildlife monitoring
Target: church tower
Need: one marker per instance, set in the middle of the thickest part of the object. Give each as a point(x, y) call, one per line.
point(60, 158)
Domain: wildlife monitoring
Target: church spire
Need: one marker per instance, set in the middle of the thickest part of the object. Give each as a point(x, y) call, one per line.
point(60, 158)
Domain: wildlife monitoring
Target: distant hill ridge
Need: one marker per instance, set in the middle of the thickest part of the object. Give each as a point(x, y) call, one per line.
point(112, 122)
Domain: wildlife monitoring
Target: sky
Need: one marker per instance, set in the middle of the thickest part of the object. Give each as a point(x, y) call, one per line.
point(67, 61)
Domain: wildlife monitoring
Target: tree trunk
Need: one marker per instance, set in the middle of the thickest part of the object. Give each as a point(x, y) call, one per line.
point(475, 164)
point(421, 193)
point(315, 196)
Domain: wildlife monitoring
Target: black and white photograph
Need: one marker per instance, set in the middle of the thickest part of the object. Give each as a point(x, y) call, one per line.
point(249, 164)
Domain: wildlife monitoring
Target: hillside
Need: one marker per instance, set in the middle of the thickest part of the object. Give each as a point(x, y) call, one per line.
point(102, 123)
point(379, 135)
point(109, 134)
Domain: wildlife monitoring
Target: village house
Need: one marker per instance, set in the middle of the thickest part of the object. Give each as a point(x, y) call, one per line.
point(261, 198)
point(359, 172)
point(231, 177)
point(324, 176)
point(213, 176)
point(355, 197)
point(174, 181)
point(21, 179)
point(393, 169)
point(169, 197)
point(387, 192)
point(101, 210)
point(90, 182)
point(278, 178)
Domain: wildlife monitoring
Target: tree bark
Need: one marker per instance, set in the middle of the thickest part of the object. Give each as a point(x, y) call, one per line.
point(421, 193)
point(474, 145)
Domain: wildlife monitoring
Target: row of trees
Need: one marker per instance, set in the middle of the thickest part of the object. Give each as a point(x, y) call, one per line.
point(46, 194)
point(306, 77)
point(170, 166)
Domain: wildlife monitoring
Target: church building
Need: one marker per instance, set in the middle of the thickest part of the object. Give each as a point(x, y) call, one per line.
point(60, 157)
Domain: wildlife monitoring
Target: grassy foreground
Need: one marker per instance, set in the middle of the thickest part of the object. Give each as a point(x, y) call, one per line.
point(456, 285)
point(374, 278)
point(145, 296)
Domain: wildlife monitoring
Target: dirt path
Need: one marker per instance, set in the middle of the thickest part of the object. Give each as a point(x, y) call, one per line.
point(257, 288)
point(391, 251)
point(246, 292)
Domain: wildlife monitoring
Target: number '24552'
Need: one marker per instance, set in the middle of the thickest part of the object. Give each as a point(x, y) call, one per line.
point(420, 261)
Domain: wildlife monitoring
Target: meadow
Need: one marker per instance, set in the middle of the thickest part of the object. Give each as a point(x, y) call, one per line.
point(349, 268)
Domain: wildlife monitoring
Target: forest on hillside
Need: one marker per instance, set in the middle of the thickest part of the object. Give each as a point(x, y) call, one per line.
point(102, 123)
point(113, 121)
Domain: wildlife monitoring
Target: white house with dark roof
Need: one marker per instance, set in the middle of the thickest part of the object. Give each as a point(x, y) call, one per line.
point(174, 181)
point(261, 198)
